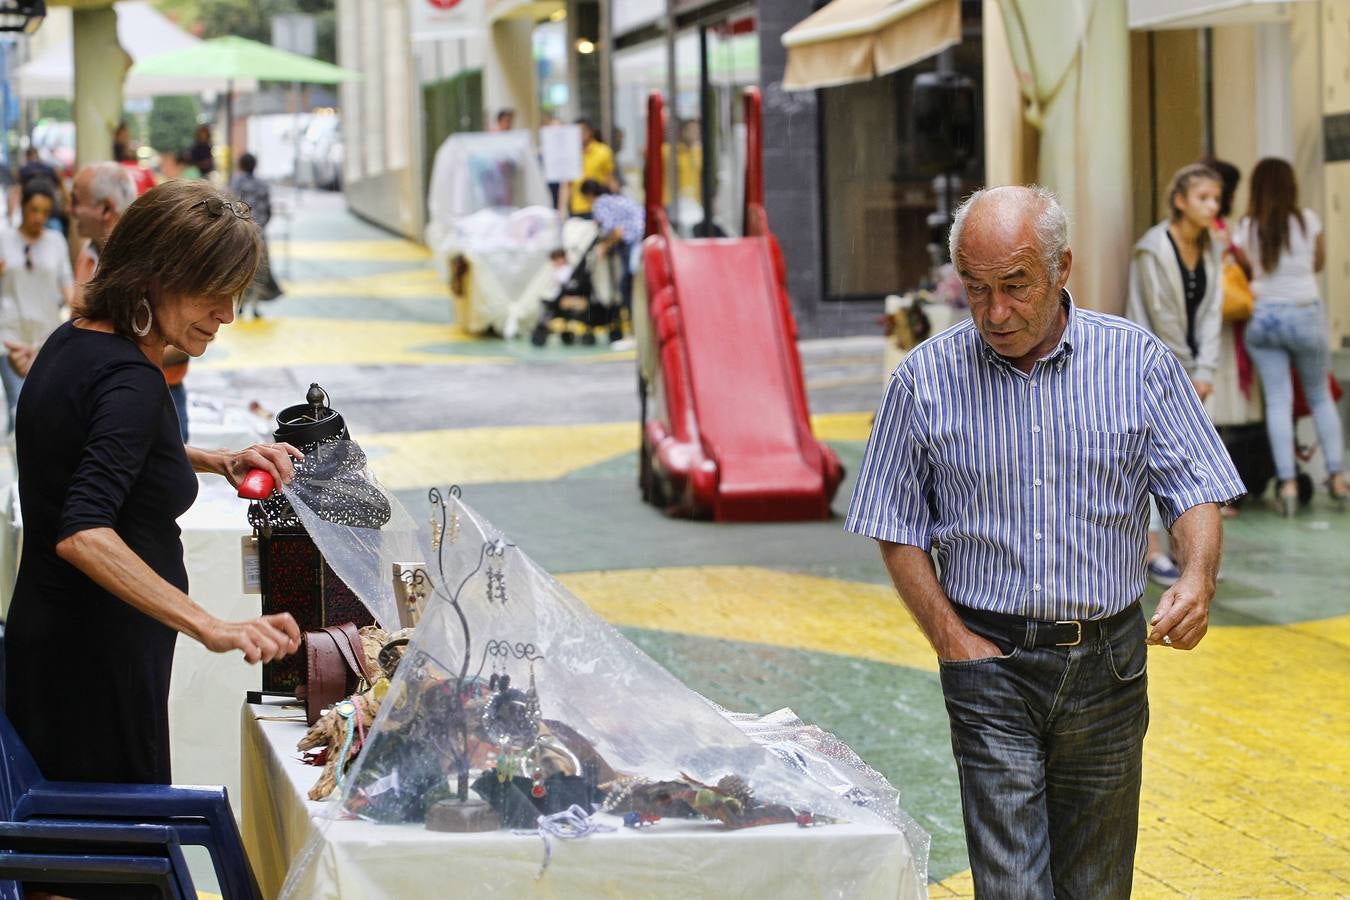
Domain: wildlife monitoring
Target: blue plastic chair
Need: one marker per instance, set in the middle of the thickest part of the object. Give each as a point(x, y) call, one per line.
point(198, 816)
point(81, 853)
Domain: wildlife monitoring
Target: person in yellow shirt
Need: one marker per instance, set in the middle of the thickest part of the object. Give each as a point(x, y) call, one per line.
point(688, 160)
point(597, 164)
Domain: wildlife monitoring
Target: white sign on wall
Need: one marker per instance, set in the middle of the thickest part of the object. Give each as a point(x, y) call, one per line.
point(433, 20)
point(560, 146)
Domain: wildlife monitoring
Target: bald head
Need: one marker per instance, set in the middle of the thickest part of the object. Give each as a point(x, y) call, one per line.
point(1014, 213)
point(99, 195)
point(1010, 246)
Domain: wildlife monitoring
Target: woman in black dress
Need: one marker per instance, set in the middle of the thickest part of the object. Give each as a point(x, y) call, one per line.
point(103, 476)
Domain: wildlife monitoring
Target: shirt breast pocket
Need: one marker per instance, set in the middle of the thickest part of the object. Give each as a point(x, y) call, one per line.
point(1107, 476)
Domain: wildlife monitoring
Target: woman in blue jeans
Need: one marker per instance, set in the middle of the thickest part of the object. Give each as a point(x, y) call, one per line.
point(1286, 249)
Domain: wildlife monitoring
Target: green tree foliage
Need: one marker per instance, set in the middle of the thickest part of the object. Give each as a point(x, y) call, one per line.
point(172, 123)
point(253, 19)
point(54, 108)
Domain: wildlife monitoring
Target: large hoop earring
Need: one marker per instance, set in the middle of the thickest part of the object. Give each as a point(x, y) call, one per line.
point(149, 318)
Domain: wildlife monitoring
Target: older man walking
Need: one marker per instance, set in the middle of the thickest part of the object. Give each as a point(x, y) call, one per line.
point(1020, 449)
point(99, 195)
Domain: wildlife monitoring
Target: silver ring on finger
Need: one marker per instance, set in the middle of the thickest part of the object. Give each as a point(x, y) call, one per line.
point(1167, 639)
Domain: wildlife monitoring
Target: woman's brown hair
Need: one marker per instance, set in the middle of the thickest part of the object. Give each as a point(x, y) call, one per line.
point(1274, 198)
point(183, 237)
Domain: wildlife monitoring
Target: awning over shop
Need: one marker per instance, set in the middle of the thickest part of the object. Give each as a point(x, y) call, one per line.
point(517, 9)
point(854, 40)
point(1154, 15)
point(143, 32)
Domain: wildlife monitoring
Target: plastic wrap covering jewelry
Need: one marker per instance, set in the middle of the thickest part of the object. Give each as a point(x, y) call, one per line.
point(358, 527)
point(536, 705)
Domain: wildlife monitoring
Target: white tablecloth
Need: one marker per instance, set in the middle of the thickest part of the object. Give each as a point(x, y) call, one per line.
point(676, 859)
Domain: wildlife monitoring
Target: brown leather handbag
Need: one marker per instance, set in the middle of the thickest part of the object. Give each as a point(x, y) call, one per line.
point(336, 667)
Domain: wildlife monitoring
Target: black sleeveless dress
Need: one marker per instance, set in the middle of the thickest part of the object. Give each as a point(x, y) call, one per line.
point(87, 674)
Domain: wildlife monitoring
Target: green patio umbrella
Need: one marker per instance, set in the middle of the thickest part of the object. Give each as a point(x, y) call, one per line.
point(235, 57)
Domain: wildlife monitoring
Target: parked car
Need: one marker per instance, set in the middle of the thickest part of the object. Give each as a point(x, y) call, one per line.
point(321, 152)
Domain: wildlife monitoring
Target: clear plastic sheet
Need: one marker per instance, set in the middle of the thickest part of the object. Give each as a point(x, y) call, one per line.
point(514, 692)
point(360, 529)
point(508, 254)
point(481, 170)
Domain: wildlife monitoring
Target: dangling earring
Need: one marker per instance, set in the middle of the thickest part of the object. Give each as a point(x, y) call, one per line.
point(149, 318)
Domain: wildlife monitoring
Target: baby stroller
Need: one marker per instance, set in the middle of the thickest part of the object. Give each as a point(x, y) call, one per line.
point(587, 299)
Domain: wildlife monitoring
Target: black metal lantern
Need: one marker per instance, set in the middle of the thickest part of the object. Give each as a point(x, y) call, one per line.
point(22, 15)
point(293, 575)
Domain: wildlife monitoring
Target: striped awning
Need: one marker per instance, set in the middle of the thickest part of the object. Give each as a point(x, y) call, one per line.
point(854, 40)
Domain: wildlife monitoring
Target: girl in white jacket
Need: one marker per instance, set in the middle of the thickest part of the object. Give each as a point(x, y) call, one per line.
point(1175, 293)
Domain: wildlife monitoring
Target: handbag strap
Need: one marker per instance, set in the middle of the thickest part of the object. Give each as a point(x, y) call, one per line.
point(327, 676)
point(348, 640)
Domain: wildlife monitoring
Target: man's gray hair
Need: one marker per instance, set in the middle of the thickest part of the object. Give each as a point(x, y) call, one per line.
point(1051, 225)
point(112, 182)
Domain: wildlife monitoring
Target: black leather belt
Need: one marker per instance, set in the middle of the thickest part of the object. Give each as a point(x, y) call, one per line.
point(1024, 632)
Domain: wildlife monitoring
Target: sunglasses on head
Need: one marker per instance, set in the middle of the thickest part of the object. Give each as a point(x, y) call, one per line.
point(215, 207)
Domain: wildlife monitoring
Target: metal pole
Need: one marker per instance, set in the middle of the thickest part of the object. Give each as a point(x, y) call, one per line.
point(229, 128)
point(295, 137)
point(672, 120)
point(603, 43)
point(465, 120)
point(705, 132)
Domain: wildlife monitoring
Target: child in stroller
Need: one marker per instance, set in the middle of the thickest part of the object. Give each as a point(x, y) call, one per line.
point(586, 300)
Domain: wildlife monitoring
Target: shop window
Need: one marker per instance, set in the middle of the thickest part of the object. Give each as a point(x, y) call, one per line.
point(638, 70)
point(549, 45)
point(881, 188)
point(625, 15)
point(733, 65)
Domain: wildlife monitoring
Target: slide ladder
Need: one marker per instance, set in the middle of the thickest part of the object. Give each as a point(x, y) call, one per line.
point(727, 431)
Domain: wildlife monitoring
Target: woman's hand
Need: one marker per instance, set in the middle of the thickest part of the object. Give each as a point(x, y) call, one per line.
point(263, 639)
point(21, 357)
point(276, 460)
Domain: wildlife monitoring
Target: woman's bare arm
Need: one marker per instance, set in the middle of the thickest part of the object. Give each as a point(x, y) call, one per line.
point(101, 554)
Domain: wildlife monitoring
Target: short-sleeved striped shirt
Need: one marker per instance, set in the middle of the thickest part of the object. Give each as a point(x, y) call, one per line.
point(1032, 490)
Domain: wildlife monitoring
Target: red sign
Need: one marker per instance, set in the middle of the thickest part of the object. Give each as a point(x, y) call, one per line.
point(445, 4)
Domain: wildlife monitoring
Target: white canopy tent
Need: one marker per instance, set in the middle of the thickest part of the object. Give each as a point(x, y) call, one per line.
point(143, 32)
point(1149, 15)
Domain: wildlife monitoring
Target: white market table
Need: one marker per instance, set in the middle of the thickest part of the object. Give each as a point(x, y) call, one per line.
point(674, 859)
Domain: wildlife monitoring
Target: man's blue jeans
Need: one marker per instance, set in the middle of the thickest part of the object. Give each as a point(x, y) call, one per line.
point(1049, 749)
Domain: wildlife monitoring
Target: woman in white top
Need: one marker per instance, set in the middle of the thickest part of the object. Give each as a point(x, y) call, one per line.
point(35, 285)
point(1285, 248)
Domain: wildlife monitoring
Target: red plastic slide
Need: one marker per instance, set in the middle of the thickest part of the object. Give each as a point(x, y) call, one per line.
point(726, 430)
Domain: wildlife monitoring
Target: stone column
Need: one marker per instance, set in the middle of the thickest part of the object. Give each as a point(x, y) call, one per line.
point(1073, 66)
point(100, 67)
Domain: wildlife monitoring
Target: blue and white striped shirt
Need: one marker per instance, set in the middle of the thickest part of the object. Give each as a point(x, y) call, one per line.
point(1032, 490)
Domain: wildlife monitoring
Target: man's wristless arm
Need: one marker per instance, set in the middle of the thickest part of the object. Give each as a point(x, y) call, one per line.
point(912, 573)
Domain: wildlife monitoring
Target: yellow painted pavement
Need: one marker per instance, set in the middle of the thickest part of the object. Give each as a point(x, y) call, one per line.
point(410, 284)
point(762, 606)
point(1247, 762)
point(530, 453)
point(313, 341)
point(381, 250)
point(480, 455)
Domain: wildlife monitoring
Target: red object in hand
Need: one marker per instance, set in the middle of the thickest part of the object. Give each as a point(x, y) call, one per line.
point(257, 485)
